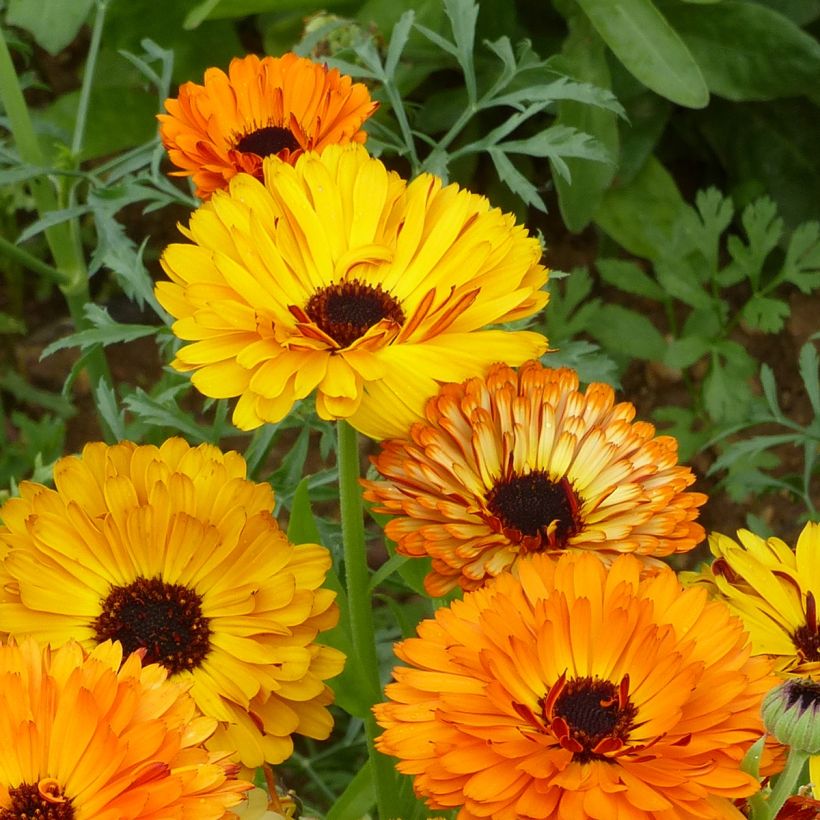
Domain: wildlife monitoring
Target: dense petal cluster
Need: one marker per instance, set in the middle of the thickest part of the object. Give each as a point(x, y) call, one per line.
point(174, 551)
point(335, 275)
point(525, 462)
point(569, 690)
point(775, 590)
point(273, 106)
point(90, 737)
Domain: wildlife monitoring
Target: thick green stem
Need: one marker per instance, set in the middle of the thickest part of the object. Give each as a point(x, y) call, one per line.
point(786, 781)
point(29, 262)
point(61, 238)
point(362, 632)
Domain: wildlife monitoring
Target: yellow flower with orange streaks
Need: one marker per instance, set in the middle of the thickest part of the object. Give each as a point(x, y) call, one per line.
point(573, 690)
point(86, 736)
point(174, 551)
point(516, 463)
point(273, 106)
point(337, 276)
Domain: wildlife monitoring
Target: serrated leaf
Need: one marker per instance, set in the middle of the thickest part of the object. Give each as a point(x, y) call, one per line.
point(108, 333)
point(715, 212)
point(769, 385)
point(649, 48)
point(765, 313)
point(587, 359)
point(726, 393)
point(628, 277)
point(52, 23)
point(802, 263)
point(748, 52)
point(515, 180)
point(673, 278)
point(106, 401)
point(809, 374)
point(398, 40)
point(763, 228)
point(556, 142)
point(683, 353)
point(463, 15)
point(624, 332)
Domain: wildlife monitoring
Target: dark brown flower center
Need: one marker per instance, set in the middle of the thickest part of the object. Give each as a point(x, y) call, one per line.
point(590, 716)
point(164, 619)
point(806, 638)
point(347, 310)
point(802, 691)
point(43, 801)
point(267, 141)
point(533, 505)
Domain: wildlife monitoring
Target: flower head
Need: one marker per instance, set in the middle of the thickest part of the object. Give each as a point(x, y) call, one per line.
point(525, 462)
point(775, 590)
point(85, 735)
point(569, 690)
point(274, 106)
point(337, 276)
point(173, 551)
point(791, 713)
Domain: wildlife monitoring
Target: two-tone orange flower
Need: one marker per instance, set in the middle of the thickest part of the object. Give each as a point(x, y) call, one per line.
point(274, 106)
point(337, 276)
point(525, 462)
point(569, 690)
point(173, 550)
point(87, 736)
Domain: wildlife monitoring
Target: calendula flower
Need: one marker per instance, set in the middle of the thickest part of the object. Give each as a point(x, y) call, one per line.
point(172, 550)
point(525, 462)
point(573, 690)
point(274, 106)
point(775, 590)
point(86, 736)
point(337, 276)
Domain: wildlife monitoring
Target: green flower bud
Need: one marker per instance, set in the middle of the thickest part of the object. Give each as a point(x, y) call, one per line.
point(791, 713)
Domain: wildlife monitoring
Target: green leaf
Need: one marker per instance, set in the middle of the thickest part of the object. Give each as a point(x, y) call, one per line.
point(398, 40)
point(52, 23)
point(726, 394)
point(765, 313)
point(625, 332)
point(748, 52)
point(628, 277)
point(463, 15)
point(591, 363)
point(680, 422)
point(515, 180)
point(357, 799)
point(106, 400)
point(580, 197)
point(769, 385)
point(800, 12)
point(809, 374)
point(11, 324)
point(683, 353)
point(649, 48)
point(641, 216)
point(802, 263)
point(763, 229)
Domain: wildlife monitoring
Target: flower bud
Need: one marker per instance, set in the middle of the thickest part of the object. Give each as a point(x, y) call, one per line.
point(791, 712)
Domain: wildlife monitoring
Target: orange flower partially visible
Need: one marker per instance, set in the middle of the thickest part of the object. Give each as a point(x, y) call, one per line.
point(274, 106)
point(337, 276)
point(525, 462)
point(87, 737)
point(174, 551)
point(569, 690)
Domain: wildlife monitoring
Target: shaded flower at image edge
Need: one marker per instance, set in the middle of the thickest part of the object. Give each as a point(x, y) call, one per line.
point(569, 689)
point(86, 735)
point(337, 276)
point(522, 462)
point(273, 106)
point(171, 549)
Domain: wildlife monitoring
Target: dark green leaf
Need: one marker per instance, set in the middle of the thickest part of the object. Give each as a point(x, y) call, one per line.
point(515, 180)
point(769, 385)
point(357, 799)
point(680, 423)
point(105, 332)
point(809, 374)
point(629, 278)
point(624, 332)
point(52, 23)
point(726, 393)
point(798, 11)
point(113, 415)
point(802, 263)
point(676, 280)
point(683, 353)
point(591, 363)
point(748, 52)
point(649, 48)
point(765, 313)
point(763, 229)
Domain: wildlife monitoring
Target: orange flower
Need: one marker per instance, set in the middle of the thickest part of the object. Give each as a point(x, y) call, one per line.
point(87, 736)
point(521, 463)
point(276, 106)
point(569, 690)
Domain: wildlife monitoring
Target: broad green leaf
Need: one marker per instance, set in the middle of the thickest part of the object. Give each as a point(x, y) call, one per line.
point(647, 115)
point(624, 332)
point(765, 313)
point(357, 799)
point(628, 277)
point(52, 23)
point(800, 12)
point(649, 48)
point(683, 353)
point(748, 52)
point(641, 216)
point(584, 59)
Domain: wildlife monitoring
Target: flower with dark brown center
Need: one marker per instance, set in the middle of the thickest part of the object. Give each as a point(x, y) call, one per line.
point(164, 619)
point(807, 637)
point(347, 310)
point(41, 801)
point(267, 141)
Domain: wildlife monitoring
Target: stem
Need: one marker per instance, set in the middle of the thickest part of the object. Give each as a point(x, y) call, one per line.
point(29, 261)
point(401, 115)
point(786, 781)
point(88, 78)
point(362, 632)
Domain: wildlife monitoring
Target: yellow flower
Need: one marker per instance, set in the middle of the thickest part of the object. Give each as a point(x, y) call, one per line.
point(274, 106)
point(337, 276)
point(172, 550)
point(525, 462)
point(88, 737)
point(775, 590)
point(569, 690)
